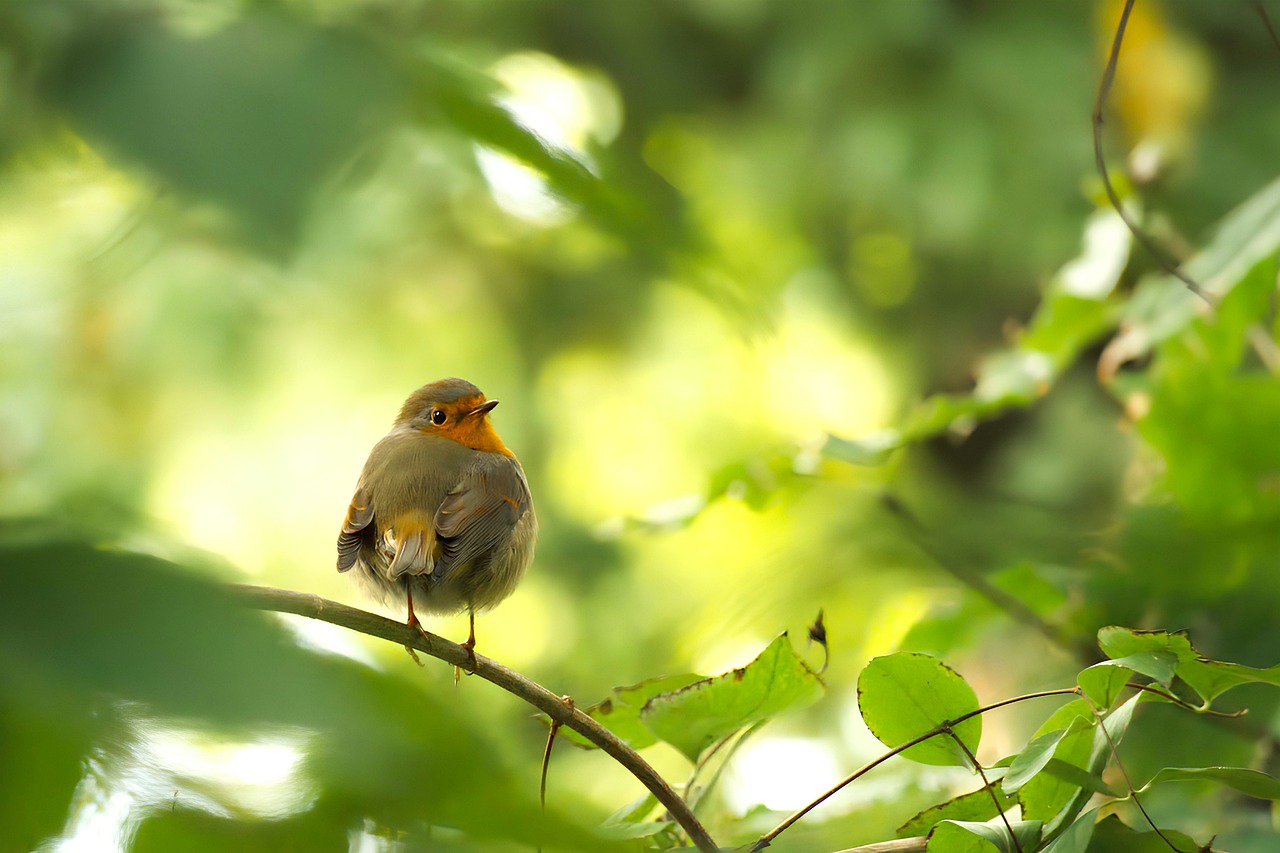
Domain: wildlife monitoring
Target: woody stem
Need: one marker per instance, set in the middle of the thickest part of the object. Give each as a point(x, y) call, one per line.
point(551, 704)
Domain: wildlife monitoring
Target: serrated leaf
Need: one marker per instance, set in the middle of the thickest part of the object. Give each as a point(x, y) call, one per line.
point(1253, 783)
point(976, 805)
point(620, 711)
point(694, 717)
point(956, 836)
point(904, 695)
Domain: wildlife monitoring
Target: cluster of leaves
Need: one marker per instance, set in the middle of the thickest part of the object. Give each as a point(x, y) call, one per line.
point(1068, 781)
point(1062, 793)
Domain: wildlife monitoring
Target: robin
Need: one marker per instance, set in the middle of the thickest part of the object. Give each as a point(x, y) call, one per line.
point(442, 512)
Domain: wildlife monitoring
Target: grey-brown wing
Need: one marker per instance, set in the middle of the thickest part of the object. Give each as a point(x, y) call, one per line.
point(479, 515)
point(359, 514)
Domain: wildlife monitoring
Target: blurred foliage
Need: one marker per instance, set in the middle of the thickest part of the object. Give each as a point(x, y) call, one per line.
point(789, 306)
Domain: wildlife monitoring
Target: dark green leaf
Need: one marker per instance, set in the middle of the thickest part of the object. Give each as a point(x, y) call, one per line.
point(976, 805)
point(254, 117)
point(1113, 836)
point(121, 645)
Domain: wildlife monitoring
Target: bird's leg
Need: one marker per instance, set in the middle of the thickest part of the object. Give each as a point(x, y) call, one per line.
point(470, 644)
point(413, 622)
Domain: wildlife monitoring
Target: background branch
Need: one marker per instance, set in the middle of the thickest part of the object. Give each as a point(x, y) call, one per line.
point(554, 706)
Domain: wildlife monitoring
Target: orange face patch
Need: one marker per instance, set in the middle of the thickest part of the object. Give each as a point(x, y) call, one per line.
point(468, 427)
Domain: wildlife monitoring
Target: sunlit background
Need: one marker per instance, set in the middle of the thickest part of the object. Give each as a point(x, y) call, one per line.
point(234, 236)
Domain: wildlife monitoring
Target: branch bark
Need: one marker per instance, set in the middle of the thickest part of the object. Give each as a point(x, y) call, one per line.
point(555, 707)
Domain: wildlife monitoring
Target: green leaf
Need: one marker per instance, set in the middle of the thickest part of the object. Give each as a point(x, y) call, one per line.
point(696, 716)
point(1253, 783)
point(252, 117)
point(1118, 643)
point(974, 806)
point(1209, 678)
point(620, 712)
point(1111, 835)
point(873, 449)
point(634, 811)
point(1076, 837)
point(1162, 307)
point(906, 694)
point(1103, 682)
point(954, 836)
point(626, 831)
point(1047, 796)
point(1032, 760)
point(1080, 778)
point(1076, 709)
point(140, 646)
point(1070, 318)
point(1111, 728)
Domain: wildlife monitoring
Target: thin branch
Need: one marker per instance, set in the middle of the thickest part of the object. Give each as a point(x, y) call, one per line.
point(1104, 88)
point(986, 784)
point(1133, 793)
point(765, 840)
point(1185, 705)
point(554, 706)
point(918, 844)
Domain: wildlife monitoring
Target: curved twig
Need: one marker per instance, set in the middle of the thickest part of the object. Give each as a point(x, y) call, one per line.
point(765, 840)
point(1104, 88)
point(554, 706)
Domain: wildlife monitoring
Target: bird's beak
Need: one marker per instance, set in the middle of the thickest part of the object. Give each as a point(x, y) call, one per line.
point(484, 408)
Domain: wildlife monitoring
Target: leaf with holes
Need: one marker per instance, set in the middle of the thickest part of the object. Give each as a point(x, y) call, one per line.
point(696, 716)
point(620, 711)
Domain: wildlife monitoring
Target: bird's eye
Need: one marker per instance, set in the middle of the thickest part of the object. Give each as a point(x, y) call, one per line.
point(438, 416)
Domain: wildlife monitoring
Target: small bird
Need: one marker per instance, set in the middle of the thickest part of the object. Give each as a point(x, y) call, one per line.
point(442, 512)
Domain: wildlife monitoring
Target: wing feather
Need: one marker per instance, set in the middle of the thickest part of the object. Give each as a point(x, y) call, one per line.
point(478, 516)
point(359, 516)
